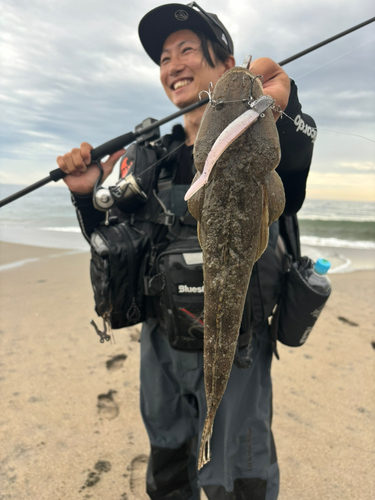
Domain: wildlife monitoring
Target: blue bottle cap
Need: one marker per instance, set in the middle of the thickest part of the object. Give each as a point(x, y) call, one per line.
point(322, 266)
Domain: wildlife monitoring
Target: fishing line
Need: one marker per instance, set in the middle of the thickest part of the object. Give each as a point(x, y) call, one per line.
point(345, 133)
point(278, 110)
point(274, 109)
point(164, 157)
point(335, 59)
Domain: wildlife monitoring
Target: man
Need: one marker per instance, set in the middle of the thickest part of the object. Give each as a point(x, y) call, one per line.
point(193, 48)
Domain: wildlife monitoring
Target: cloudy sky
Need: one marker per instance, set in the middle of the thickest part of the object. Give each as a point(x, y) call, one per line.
point(74, 71)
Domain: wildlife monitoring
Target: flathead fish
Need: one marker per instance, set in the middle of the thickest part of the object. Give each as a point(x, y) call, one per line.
point(235, 196)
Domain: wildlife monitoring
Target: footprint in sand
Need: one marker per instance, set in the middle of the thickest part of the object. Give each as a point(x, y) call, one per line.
point(93, 477)
point(116, 362)
point(107, 406)
point(138, 468)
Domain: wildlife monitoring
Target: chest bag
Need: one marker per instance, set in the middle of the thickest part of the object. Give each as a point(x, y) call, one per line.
point(142, 265)
point(121, 248)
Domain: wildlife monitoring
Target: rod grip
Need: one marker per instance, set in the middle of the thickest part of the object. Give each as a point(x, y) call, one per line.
point(110, 147)
point(98, 153)
point(57, 174)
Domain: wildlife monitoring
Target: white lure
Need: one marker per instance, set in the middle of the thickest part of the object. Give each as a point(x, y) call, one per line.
point(225, 139)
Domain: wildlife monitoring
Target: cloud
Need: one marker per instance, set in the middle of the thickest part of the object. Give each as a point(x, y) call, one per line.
point(341, 186)
point(76, 71)
point(364, 167)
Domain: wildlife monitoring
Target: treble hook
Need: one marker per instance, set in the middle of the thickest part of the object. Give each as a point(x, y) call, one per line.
point(251, 98)
point(209, 93)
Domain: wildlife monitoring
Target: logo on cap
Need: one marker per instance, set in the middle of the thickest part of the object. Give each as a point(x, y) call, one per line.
point(224, 38)
point(181, 15)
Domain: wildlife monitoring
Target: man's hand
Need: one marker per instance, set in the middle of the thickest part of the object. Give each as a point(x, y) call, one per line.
point(82, 178)
point(276, 82)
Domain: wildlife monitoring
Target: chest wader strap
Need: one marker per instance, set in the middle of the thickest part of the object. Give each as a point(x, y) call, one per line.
point(154, 285)
point(166, 218)
point(286, 264)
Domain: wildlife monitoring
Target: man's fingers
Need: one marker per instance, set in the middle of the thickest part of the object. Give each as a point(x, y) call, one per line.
point(78, 160)
point(61, 163)
point(70, 165)
point(110, 163)
point(86, 152)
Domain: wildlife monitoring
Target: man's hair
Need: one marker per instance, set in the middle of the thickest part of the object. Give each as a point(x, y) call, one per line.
point(221, 54)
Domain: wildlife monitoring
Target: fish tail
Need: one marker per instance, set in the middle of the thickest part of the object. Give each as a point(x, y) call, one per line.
point(205, 450)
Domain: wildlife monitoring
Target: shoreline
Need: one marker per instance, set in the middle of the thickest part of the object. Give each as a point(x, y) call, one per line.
point(343, 260)
point(14, 255)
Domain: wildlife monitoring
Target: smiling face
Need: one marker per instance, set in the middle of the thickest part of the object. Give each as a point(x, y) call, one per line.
point(184, 72)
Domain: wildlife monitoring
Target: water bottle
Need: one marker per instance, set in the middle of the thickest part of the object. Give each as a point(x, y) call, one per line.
point(317, 276)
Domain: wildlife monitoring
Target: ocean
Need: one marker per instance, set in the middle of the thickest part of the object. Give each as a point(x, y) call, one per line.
point(340, 231)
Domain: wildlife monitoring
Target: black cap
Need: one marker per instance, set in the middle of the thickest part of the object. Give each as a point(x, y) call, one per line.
point(156, 26)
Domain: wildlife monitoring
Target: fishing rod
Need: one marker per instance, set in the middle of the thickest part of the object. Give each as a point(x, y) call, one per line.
point(105, 149)
point(329, 40)
point(120, 142)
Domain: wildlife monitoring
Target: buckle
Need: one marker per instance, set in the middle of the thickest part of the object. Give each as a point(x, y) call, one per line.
point(166, 218)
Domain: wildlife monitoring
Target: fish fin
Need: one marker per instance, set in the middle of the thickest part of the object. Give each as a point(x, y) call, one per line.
point(199, 233)
point(273, 206)
point(263, 239)
point(205, 450)
point(195, 203)
point(263, 234)
point(275, 195)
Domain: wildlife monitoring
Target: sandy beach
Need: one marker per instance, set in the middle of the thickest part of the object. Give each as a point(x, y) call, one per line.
point(70, 425)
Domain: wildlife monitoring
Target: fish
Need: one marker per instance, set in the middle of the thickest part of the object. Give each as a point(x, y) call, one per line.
point(235, 196)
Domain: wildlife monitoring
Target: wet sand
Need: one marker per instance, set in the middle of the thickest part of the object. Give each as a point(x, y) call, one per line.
point(70, 425)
